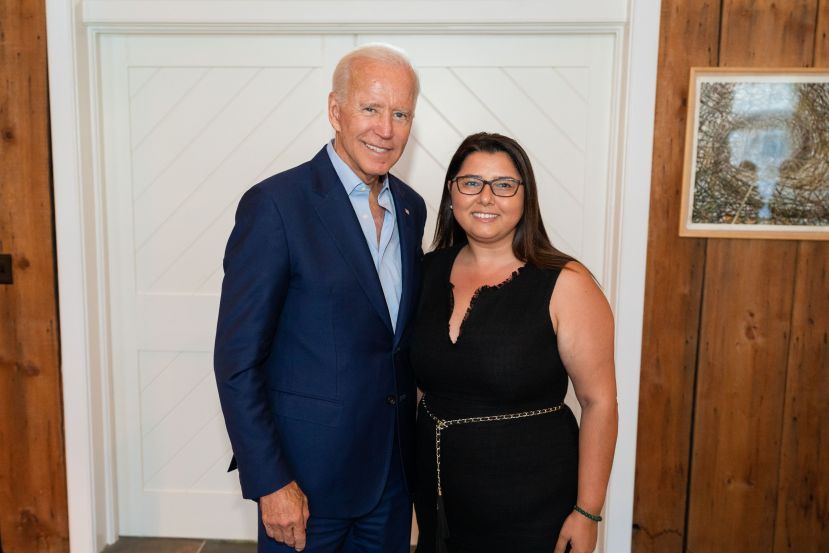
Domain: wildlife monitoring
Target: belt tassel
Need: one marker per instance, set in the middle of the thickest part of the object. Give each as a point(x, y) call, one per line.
point(442, 533)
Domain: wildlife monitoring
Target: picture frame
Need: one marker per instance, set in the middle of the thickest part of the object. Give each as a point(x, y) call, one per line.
point(756, 154)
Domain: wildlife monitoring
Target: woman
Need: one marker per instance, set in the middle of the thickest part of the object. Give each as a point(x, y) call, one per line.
point(504, 318)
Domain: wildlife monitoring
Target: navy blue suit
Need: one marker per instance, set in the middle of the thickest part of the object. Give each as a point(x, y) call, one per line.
point(312, 379)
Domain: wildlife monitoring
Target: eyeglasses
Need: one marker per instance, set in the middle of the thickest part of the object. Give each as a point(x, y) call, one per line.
point(471, 185)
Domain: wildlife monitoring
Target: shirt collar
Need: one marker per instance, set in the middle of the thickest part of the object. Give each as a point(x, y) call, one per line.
point(348, 178)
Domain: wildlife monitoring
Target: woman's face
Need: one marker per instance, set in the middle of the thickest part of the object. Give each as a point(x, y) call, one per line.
point(485, 217)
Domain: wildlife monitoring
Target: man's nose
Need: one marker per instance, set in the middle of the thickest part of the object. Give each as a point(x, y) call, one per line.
point(384, 126)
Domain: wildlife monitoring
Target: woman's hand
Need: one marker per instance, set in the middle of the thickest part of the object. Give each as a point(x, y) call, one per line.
point(580, 532)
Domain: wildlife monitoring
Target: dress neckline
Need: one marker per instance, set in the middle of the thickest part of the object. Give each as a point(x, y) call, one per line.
point(475, 295)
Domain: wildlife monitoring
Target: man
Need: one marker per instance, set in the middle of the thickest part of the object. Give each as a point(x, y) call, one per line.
point(321, 272)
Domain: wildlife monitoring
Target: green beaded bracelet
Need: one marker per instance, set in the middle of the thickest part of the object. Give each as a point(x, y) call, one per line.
point(594, 518)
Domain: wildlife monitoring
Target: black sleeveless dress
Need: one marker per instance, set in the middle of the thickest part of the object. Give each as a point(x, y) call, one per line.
point(507, 485)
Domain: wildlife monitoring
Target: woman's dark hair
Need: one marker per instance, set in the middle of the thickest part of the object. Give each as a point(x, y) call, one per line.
point(530, 243)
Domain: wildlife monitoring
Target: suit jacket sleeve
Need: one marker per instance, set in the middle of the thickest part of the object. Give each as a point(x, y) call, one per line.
point(257, 270)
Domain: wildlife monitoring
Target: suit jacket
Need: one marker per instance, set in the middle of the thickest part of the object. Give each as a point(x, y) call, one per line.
point(312, 379)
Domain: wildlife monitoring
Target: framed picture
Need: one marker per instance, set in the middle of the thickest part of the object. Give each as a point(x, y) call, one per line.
point(757, 154)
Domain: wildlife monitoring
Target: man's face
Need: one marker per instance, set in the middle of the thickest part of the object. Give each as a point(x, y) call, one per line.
point(373, 121)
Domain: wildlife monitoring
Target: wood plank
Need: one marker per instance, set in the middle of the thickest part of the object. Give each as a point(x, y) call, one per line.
point(688, 37)
point(742, 364)
point(33, 510)
point(767, 33)
point(745, 331)
point(802, 523)
point(821, 56)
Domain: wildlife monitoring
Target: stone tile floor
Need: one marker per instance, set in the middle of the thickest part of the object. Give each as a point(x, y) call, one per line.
point(170, 545)
point(177, 545)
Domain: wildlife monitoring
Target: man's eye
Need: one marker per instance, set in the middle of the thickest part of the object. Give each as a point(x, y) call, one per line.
point(401, 115)
point(370, 109)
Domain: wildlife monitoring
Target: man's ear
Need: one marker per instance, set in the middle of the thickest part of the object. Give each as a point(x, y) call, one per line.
point(334, 111)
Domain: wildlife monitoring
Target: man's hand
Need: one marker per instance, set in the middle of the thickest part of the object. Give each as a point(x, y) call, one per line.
point(285, 515)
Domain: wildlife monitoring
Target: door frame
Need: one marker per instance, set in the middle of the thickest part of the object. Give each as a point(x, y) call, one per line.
point(74, 27)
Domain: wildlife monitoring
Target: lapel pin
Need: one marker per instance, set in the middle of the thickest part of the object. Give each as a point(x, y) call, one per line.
point(406, 210)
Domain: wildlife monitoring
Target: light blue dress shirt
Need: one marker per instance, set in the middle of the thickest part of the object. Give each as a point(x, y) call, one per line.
point(386, 253)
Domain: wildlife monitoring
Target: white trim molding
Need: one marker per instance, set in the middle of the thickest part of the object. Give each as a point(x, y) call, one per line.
point(87, 421)
point(74, 28)
point(337, 13)
point(632, 220)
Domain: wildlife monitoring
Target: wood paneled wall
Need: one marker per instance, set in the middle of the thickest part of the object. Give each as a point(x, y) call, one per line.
point(33, 511)
point(733, 437)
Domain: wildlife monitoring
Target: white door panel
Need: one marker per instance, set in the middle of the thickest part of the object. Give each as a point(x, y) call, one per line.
point(191, 121)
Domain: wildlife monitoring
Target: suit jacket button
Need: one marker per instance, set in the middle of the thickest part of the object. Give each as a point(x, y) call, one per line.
point(391, 400)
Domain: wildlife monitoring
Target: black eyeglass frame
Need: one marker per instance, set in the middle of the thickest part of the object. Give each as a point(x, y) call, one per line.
point(485, 182)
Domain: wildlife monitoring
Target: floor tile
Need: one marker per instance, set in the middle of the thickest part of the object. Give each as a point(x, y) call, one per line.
point(213, 546)
point(170, 545)
point(154, 545)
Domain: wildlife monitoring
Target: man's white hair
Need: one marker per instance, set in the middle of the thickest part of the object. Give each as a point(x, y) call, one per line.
point(374, 51)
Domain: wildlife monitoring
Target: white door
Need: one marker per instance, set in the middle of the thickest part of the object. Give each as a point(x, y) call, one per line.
point(190, 122)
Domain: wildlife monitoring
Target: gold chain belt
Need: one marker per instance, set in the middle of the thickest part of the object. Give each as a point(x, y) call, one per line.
point(441, 425)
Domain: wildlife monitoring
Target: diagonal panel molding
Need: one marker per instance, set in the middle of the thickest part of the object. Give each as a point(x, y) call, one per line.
point(448, 95)
point(174, 322)
point(228, 131)
point(563, 105)
point(177, 131)
point(219, 167)
point(152, 364)
point(208, 450)
point(174, 435)
point(139, 77)
point(169, 389)
point(156, 92)
point(216, 478)
point(577, 78)
point(307, 142)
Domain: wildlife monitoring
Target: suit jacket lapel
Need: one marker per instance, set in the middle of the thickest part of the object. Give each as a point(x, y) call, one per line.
point(408, 252)
point(334, 209)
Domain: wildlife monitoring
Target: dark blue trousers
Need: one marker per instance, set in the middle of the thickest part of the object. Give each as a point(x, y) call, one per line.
point(384, 529)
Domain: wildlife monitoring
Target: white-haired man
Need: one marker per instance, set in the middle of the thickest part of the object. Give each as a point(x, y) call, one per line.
point(321, 274)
